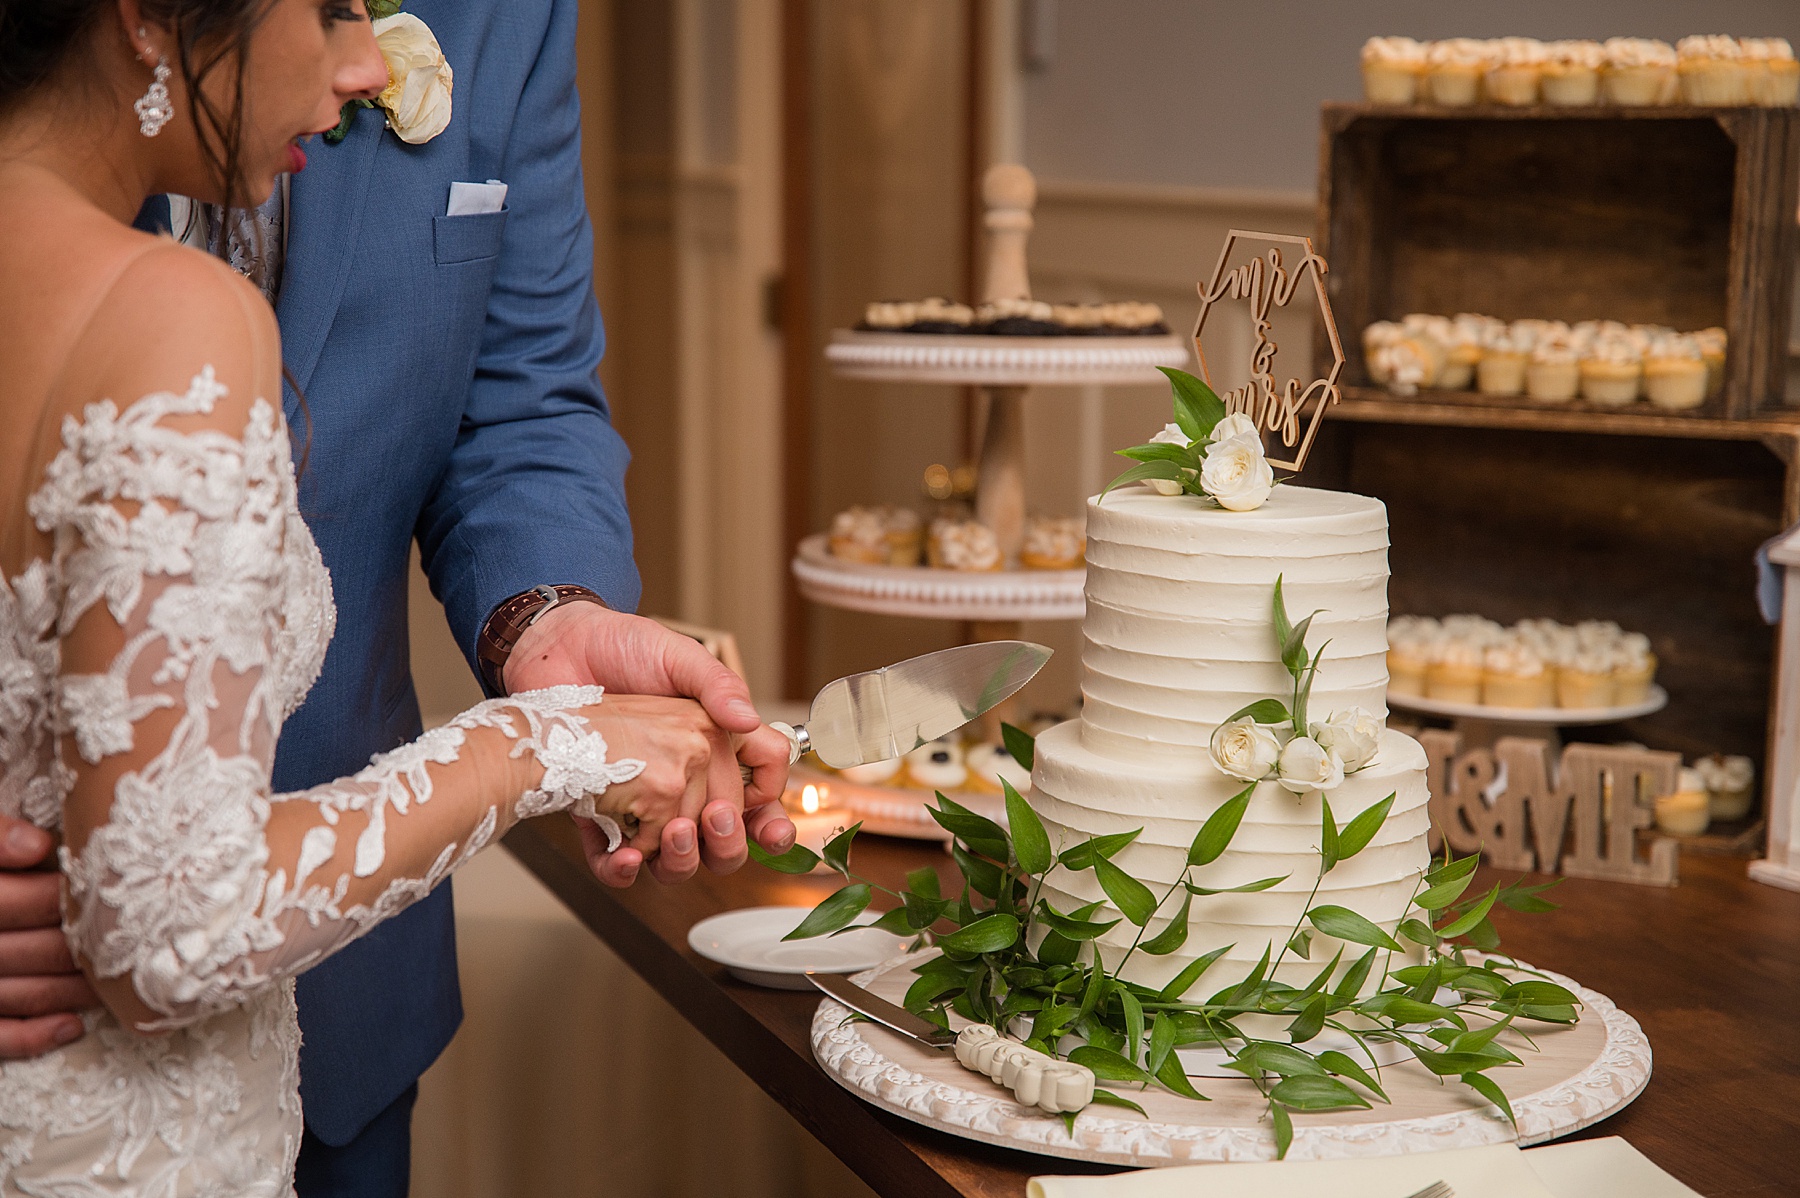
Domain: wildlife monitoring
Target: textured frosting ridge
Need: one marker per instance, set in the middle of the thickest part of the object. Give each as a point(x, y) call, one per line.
point(1178, 637)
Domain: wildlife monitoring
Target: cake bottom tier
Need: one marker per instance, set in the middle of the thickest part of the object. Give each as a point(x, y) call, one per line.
point(1080, 794)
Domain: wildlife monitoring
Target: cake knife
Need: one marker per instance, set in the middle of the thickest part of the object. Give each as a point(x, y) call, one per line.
point(887, 713)
point(1036, 1079)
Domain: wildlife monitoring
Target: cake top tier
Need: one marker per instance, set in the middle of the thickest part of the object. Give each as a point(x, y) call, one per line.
point(1190, 524)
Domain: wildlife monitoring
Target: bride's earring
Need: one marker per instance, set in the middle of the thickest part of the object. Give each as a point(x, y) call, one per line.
point(154, 108)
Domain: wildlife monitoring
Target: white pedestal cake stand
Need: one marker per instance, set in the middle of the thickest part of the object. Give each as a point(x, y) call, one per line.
point(1480, 725)
point(1580, 1075)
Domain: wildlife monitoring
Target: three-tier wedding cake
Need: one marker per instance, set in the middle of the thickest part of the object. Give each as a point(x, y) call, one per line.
point(1178, 638)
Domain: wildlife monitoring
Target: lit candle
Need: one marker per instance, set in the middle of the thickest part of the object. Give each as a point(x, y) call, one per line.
point(815, 821)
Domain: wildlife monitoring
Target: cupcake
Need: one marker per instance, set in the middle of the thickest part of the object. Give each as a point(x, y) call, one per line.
point(859, 534)
point(1612, 371)
point(1017, 318)
point(1586, 679)
point(872, 773)
point(1129, 318)
point(1553, 374)
point(1376, 337)
point(1512, 77)
point(1466, 333)
point(1053, 543)
point(1455, 673)
point(1634, 668)
point(905, 535)
point(1409, 654)
point(889, 316)
point(1712, 352)
point(1453, 71)
point(990, 764)
point(1684, 813)
point(937, 765)
point(1774, 76)
point(1728, 781)
point(1571, 74)
point(1638, 71)
point(1404, 365)
point(1501, 370)
point(963, 545)
point(1391, 67)
point(1712, 71)
point(1514, 676)
point(1675, 373)
point(1436, 333)
point(1085, 319)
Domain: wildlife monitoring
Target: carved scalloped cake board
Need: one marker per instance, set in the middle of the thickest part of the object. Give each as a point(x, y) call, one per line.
point(937, 594)
point(979, 359)
point(1582, 1075)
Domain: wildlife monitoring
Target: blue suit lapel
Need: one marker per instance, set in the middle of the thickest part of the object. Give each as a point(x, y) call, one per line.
point(325, 209)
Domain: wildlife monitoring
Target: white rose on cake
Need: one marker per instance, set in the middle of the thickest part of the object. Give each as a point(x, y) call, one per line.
point(1245, 749)
point(1353, 734)
point(1171, 435)
point(1234, 425)
point(1236, 474)
point(1306, 765)
point(417, 97)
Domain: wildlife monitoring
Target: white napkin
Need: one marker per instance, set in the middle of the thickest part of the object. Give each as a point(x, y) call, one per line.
point(472, 199)
point(1608, 1168)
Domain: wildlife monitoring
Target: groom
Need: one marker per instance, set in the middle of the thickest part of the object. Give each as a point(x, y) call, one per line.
point(448, 364)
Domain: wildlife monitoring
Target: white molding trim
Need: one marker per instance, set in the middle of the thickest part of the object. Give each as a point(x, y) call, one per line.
point(1771, 874)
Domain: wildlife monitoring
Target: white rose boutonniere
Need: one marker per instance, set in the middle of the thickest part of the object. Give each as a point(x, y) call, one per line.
point(1245, 749)
point(418, 95)
point(1352, 734)
point(1306, 765)
point(1236, 473)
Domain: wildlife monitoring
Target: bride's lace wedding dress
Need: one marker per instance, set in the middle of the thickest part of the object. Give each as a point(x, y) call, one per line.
point(184, 552)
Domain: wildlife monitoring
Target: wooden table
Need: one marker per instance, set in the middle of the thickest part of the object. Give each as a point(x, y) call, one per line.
point(1711, 969)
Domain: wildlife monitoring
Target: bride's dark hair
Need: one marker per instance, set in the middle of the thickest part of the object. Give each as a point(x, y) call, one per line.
point(39, 37)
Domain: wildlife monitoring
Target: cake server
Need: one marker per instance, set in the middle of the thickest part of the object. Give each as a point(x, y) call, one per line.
point(1036, 1079)
point(887, 713)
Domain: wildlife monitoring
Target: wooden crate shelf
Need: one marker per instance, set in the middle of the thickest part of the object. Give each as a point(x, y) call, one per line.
point(1675, 216)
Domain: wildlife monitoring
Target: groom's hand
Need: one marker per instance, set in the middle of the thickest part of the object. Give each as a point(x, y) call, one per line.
point(586, 644)
point(40, 987)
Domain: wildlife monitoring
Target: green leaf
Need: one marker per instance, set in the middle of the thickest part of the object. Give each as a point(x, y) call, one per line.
point(380, 9)
point(1263, 711)
point(1403, 1010)
point(797, 860)
point(1360, 831)
point(1133, 1011)
point(1129, 895)
point(1346, 924)
point(1108, 1065)
point(979, 832)
point(1355, 976)
point(1173, 936)
point(1548, 1013)
point(1142, 471)
point(1459, 868)
point(1294, 655)
point(1071, 927)
point(1536, 992)
point(894, 921)
point(1021, 744)
point(1469, 918)
point(1300, 944)
point(1184, 981)
point(989, 934)
point(1215, 834)
point(1323, 977)
point(924, 883)
point(921, 913)
point(1345, 1066)
point(1284, 628)
point(1198, 409)
point(1311, 1020)
point(837, 849)
point(1031, 844)
point(1162, 1042)
point(1480, 1038)
point(984, 877)
point(1328, 836)
point(1441, 896)
point(1418, 932)
point(1485, 936)
point(1284, 1129)
point(1097, 848)
point(1447, 1064)
point(1096, 987)
point(1050, 1021)
point(1489, 1089)
point(1108, 1098)
point(1057, 949)
point(1244, 989)
point(1525, 898)
point(835, 912)
point(1159, 451)
point(1316, 1093)
point(1269, 1056)
point(1246, 888)
point(1175, 1079)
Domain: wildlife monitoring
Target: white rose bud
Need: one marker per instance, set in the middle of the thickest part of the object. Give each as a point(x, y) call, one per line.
point(1234, 425)
point(417, 97)
point(1306, 765)
point(1171, 435)
point(1236, 473)
point(1245, 749)
point(1352, 734)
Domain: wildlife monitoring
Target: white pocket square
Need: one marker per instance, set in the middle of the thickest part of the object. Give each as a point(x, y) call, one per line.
point(472, 199)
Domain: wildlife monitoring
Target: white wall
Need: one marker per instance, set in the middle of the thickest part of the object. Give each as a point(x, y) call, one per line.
point(1213, 94)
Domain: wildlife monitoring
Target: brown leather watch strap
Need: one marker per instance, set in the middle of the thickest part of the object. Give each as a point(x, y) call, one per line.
point(503, 629)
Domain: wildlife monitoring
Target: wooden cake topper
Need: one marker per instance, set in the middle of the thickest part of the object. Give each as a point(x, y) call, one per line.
point(1293, 413)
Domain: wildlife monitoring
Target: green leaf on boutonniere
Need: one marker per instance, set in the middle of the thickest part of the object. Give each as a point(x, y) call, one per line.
point(1198, 409)
point(378, 9)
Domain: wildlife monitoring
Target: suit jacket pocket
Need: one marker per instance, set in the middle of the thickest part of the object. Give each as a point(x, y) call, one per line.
point(469, 238)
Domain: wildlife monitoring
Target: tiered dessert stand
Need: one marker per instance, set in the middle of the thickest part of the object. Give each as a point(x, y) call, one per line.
point(1005, 368)
point(1481, 724)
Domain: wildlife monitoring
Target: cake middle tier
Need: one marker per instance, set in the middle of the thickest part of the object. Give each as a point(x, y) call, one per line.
point(1079, 795)
point(1180, 635)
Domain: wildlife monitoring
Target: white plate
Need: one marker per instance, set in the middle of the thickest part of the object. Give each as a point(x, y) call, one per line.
point(1657, 700)
point(748, 943)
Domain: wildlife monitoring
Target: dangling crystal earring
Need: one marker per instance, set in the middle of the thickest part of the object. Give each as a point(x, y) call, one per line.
point(153, 108)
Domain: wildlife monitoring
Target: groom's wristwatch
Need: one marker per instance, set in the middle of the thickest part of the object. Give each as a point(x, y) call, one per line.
point(503, 629)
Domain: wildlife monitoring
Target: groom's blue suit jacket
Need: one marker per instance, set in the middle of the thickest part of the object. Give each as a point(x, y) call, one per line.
point(448, 367)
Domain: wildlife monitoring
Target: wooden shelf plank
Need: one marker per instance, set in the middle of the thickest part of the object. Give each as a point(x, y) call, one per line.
point(1373, 405)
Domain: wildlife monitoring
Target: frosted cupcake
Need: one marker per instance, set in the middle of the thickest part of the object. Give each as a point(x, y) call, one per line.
point(963, 545)
point(1774, 76)
point(859, 534)
point(1712, 352)
point(1409, 654)
point(1586, 679)
point(1638, 71)
point(1453, 71)
point(1612, 371)
point(1053, 543)
point(1501, 370)
point(1391, 69)
point(1375, 338)
point(1712, 71)
point(990, 764)
point(1571, 74)
point(1404, 366)
point(1554, 373)
point(1728, 783)
point(1466, 332)
point(1514, 676)
point(937, 765)
point(872, 773)
point(1512, 77)
point(1634, 668)
point(1455, 673)
point(1675, 374)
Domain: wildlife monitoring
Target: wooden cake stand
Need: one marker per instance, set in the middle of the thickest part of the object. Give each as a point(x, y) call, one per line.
point(1578, 1076)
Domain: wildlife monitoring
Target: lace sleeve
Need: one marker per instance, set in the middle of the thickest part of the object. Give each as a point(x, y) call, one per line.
point(193, 615)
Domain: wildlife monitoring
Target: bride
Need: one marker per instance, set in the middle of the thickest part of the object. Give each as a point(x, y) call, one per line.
point(163, 609)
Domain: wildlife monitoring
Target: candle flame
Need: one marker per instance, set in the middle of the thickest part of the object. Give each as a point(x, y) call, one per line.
point(809, 799)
